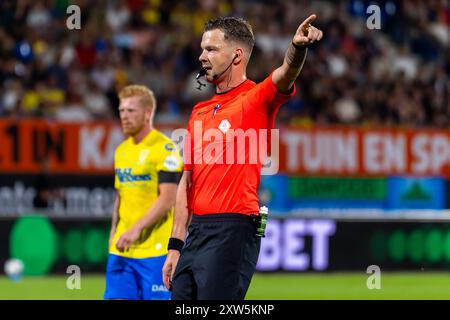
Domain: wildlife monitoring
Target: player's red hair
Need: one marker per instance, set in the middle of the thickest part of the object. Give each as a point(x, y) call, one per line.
point(146, 96)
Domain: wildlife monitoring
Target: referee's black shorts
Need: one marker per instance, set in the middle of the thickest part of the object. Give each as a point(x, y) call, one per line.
point(218, 259)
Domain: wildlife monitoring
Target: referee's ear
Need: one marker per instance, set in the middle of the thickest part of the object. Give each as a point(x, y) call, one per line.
point(238, 56)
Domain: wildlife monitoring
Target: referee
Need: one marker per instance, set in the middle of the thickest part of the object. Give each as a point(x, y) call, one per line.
point(217, 202)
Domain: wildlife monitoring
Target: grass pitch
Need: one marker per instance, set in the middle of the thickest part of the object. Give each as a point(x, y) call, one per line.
point(299, 286)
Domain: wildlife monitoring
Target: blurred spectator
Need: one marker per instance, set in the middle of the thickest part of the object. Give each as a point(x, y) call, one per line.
point(103, 74)
point(12, 92)
point(346, 108)
point(397, 76)
point(73, 109)
point(117, 15)
point(96, 102)
point(38, 16)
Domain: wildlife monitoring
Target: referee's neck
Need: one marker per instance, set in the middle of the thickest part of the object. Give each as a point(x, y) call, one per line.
point(231, 81)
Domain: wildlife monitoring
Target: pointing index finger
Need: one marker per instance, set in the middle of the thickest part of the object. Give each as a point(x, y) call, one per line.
point(308, 20)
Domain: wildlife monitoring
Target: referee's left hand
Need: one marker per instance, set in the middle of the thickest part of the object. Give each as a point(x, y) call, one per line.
point(169, 267)
point(127, 239)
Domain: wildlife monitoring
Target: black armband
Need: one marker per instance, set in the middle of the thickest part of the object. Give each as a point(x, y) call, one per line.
point(175, 244)
point(170, 177)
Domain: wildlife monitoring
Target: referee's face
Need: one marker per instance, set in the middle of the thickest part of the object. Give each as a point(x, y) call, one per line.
point(133, 116)
point(217, 55)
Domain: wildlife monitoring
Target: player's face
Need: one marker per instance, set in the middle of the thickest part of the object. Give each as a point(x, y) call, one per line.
point(133, 116)
point(217, 54)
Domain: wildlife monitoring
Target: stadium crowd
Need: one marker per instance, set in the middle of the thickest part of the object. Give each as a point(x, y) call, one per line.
point(397, 75)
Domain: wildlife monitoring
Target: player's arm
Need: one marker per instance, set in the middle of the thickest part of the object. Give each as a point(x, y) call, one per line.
point(284, 77)
point(164, 202)
point(181, 222)
point(115, 218)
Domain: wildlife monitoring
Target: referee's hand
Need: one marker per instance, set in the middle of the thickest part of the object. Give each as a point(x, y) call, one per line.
point(169, 267)
point(306, 33)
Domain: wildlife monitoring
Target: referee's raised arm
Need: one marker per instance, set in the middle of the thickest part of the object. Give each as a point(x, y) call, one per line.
point(284, 76)
point(179, 231)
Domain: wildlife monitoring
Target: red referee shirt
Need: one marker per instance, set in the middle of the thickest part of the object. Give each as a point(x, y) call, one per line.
point(225, 175)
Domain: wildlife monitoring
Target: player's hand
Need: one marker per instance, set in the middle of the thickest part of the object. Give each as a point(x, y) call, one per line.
point(169, 267)
point(307, 34)
point(127, 239)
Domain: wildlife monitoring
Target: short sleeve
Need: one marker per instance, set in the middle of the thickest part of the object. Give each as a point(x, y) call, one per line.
point(170, 159)
point(265, 96)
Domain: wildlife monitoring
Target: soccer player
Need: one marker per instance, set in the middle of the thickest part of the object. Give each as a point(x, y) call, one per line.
point(148, 167)
point(216, 201)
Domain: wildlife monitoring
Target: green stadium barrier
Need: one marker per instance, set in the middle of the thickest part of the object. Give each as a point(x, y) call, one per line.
point(34, 241)
point(41, 245)
point(422, 246)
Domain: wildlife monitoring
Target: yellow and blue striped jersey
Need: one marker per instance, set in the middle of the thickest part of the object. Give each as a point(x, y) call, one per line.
point(138, 169)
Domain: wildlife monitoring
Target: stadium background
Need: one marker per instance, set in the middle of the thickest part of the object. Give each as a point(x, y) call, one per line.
point(364, 144)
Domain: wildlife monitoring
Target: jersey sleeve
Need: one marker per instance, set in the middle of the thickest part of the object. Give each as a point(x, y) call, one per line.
point(170, 164)
point(266, 98)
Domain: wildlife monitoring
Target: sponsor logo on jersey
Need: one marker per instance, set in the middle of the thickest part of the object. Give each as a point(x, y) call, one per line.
point(143, 155)
point(171, 163)
point(169, 147)
point(125, 175)
point(224, 126)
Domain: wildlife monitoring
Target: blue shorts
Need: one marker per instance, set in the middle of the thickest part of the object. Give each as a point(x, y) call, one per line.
point(135, 279)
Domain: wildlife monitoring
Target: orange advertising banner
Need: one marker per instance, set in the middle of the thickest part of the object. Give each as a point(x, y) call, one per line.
point(38, 146)
point(373, 152)
point(41, 146)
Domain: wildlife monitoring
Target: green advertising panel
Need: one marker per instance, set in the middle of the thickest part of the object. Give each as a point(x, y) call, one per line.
point(337, 188)
point(34, 241)
point(42, 244)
